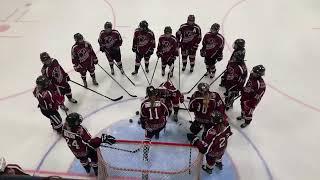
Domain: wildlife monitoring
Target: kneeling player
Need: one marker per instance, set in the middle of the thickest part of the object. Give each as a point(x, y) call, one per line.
point(81, 144)
point(10, 169)
point(214, 143)
point(153, 116)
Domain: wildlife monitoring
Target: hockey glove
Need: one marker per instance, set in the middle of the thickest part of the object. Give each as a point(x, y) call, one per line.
point(192, 138)
point(219, 58)
point(102, 49)
point(150, 52)
point(77, 67)
point(159, 54)
point(195, 46)
point(95, 61)
point(105, 138)
point(134, 49)
point(202, 52)
point(68, 78)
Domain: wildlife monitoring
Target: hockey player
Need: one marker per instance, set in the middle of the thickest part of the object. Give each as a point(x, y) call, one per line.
point(110, 41)
point(203, 103)
point(143, 45)
point(84, 59)
point(10, 169)
point(189, 37)
point(58, 77)
point(212, 49)
point(252, 94)
point(172, 97)
point(238, 54)
point(153, 116)
point(167, 50)
point(81, 144)
point(236, 74)
point(214, 143)
point(48, 102)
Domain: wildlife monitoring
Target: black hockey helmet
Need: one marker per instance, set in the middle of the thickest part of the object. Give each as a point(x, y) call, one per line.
point(143, 25)
point(108, 25)
point(217, 117)
point(42, 81)
point(259, 70)
point(215, 27)
point(239, 44)
point(203, 87)
point(168, 30)
point(151, 91)
point(74, 119)
point(191, 18)
point(78, 37)
point(44, 56)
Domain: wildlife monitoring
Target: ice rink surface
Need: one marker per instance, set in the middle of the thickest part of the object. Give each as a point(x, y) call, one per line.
point(282, 141)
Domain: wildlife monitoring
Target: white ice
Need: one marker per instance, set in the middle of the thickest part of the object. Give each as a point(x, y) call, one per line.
point(282, 35)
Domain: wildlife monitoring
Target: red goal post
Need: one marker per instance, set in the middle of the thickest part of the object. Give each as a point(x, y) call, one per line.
point(168, 160)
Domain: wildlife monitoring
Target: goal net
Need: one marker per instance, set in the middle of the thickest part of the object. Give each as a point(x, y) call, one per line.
point(156, 160)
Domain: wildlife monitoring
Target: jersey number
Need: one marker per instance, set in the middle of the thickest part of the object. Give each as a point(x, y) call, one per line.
point(156, 114)
point(73, 144)
point(222, 142)
point(202, 109)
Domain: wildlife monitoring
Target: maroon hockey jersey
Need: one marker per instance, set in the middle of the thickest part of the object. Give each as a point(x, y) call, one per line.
point(79, 140)
point(153, 115)
point(48, 100)
point(167, 47)
point(55, 73)
point(174, 95)
point(254, 90)
point(189, 35)
point(213, 44)
point(235, 76)
point(215, 141)
point(110, 40)
point(203, 107)
point(82, 54)
point(143, 41)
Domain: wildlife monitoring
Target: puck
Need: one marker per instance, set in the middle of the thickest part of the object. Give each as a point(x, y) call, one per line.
point(137, 112)
point(130, 120)
point(139, 122)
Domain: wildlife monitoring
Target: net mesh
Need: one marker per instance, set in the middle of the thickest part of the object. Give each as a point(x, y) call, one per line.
point(156, 160)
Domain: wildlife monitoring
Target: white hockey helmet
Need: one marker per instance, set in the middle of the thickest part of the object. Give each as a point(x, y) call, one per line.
point(3, 164)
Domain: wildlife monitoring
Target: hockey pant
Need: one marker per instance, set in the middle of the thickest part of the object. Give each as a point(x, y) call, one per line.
point(139, 57)
point(55, 119)
point(191, 52)
point(114, 55)
point(247, 108)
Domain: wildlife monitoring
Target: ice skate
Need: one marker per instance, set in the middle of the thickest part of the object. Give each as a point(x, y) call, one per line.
point(244, 125)
point(240, 118)
point(73, 100)
point(219, 165)
point(64, 108)
point(94, 81)
point(134, 73)
point(206, 169)
point(112, 71)
point(85, 84)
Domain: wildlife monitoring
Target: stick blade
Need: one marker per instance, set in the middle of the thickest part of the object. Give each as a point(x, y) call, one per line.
point(117, 99)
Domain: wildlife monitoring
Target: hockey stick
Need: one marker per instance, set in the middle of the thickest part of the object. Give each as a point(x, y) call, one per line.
point(217, 78)
point(155, 67)
point(194, 85)
point(116, 82)
point(145, 74)
point(112, 99)
point(120, 149)
point(179, 70)
point(126, 76)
